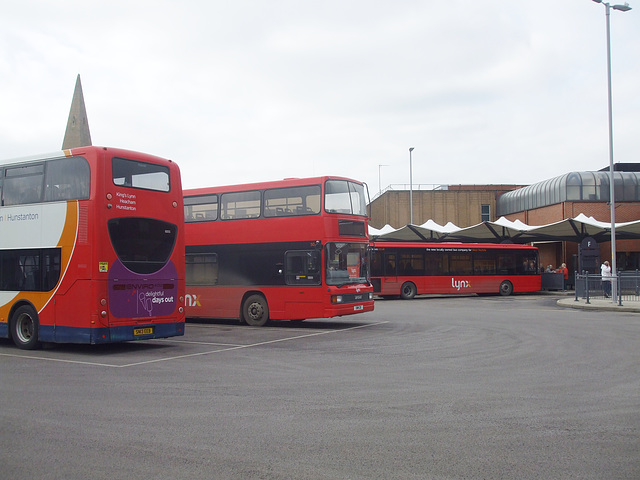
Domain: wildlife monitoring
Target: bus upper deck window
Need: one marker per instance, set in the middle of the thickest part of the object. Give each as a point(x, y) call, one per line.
point(135, 174)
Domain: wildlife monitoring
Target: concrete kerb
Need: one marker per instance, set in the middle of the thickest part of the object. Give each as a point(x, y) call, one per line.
point(599, 304)
point(568, 300)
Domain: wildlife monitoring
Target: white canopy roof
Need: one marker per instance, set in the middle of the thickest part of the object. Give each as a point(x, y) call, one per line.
point(504, 230)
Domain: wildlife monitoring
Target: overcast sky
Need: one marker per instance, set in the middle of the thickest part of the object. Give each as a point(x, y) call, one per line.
point(242, 91)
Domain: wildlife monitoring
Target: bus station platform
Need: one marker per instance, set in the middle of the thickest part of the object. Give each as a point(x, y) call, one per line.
point(601, 304)
point(592, 286)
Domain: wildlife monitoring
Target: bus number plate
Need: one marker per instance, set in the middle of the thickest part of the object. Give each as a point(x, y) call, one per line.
point(357, 308)
point(142, 331)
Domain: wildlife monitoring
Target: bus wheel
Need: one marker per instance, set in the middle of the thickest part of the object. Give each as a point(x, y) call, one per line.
point(24, 328)
point(408, 291)
point(506, 288)
point(255, 311)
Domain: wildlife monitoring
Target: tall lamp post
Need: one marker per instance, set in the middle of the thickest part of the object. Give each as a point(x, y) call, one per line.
point(410, 187)
point(622, 8)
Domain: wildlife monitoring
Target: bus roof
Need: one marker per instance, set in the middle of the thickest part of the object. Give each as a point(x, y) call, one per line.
point(286, 182)
point(79, 151)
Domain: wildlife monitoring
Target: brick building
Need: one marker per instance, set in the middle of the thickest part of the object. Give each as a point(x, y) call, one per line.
point(571, 194)
point(462, 205)
point(542, 203)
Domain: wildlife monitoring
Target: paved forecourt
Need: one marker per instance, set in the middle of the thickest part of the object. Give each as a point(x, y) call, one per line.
point(473, 387)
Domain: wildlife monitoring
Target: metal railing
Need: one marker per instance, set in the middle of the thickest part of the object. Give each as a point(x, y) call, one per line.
point(406, 187)
point(589, 285)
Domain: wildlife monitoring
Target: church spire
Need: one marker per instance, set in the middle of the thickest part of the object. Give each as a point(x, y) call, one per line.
point(77, 133)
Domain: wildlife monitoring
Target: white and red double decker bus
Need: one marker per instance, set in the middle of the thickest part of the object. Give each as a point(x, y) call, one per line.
point(285, 250)
point(407, 269)
point(91, 247)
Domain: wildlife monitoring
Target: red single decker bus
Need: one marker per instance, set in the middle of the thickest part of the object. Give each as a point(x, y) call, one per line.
point(91, 247)
point(409, 269)
point(286, 250)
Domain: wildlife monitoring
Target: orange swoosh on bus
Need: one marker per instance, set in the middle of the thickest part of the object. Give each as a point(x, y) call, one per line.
point(66, 243)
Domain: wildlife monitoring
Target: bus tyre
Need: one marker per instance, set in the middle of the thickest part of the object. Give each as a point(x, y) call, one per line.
point(408, 291)
point(255, 311)
point(24, 328)
point(506, 288)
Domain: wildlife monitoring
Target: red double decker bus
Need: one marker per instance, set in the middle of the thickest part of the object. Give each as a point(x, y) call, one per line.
point(286, 250)
point(409, 269)
point(91, 247)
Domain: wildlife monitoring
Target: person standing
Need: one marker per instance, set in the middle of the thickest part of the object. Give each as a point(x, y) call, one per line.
point(605, 272)
point(565, 275)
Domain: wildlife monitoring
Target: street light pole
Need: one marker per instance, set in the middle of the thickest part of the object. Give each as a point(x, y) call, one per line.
point(410, 187)
point(612, 186)
point(379, 181)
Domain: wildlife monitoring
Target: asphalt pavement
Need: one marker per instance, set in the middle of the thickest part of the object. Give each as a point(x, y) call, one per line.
point(431, 388)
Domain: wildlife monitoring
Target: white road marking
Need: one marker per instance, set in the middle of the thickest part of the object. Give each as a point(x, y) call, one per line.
point(228, 348)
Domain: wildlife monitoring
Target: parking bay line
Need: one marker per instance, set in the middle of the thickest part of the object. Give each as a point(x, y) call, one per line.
point(251, 345)
point(230, 347)
point(171, 340)
point(60, 360)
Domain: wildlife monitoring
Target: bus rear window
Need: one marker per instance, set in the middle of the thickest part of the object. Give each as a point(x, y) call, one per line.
point(148, 176)
point(143, 245)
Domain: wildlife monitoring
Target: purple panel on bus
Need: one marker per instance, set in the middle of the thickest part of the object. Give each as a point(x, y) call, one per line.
point(138, 296)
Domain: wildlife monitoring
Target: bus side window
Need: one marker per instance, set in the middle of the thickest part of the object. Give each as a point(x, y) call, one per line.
point(390, 265)
point(302, 267)
point(280, 202)
point(239, 205)
point(201, 208)
point(23, 184)
point(376, 264)
point(67, 179)
point(10, 272)
point(51, 268)
point(31, 272)
point(202, 269)
point(411, 263)
point(23, 269)
point(506, 264)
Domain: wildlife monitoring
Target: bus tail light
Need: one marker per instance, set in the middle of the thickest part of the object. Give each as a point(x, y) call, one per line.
point(335, 299)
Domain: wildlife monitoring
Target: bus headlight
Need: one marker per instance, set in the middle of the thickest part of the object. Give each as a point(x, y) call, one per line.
point(336, 299)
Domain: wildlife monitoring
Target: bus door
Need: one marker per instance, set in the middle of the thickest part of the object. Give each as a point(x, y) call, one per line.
point(389, 284)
